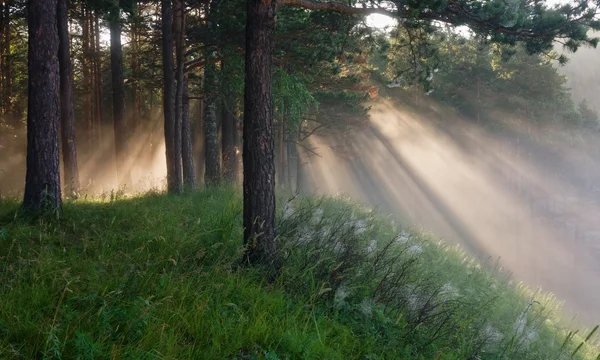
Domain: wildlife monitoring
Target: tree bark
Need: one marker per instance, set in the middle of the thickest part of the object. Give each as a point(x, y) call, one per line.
point(135, 69)
point(228, 143)
point(42, 181)
point(174, 180)
point(97, 80)
point(178, 35)
point(7, 66)
point(118, 97)
point(87, 79)
point(67, 116)
point(187, 150)
point(199, 140)
point(258, 152)
point(282, 152)
point(212, 173)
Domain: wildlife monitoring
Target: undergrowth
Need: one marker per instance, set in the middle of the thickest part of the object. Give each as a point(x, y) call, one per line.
point(151, 277)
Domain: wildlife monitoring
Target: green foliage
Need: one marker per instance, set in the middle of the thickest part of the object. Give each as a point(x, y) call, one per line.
point(292, 99)
point(151, 277)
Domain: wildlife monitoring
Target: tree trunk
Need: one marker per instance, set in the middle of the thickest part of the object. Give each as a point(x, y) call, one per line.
point(97, 80)
point(87, 80)
point(299, 169)
point(187, 150)
point(135, 64)
point(7, 66)
point(237, 148)
point(118, 96)
point(2, 86)
point(212, 173)
point(42, 181)
point(258, 153)
point(228, 142)
point(67, 116)
point(282, 152)
point(174, 181)
point(199, 140)
point(178, 35)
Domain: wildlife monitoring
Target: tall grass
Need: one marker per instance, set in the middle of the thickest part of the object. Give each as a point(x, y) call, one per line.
point(151, 277)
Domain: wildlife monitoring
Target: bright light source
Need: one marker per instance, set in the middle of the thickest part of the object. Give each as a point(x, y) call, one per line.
point(380, 21)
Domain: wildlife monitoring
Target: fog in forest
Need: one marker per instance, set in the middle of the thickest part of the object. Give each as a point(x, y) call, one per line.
point(533, 209)
point(537, 216)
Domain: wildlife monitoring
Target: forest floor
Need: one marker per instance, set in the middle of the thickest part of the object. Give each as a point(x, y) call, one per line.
point(151, 277)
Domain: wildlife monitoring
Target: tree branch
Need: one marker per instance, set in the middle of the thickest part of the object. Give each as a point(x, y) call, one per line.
point(335, 6)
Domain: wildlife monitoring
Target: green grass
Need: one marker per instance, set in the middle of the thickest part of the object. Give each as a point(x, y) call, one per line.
point(151, 277)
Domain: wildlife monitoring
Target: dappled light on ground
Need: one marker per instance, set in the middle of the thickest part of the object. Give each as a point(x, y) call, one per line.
point(486, 192)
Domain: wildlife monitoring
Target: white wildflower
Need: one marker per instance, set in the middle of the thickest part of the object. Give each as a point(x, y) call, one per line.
point(288, 211)
point(318, 215)
point(414, 249)
point(403, 237)
point(449, 290)
point(360, 226)
point(492, 335)
point(366, 308)
point(340, 296)
point(372, 247)
point(521, 324)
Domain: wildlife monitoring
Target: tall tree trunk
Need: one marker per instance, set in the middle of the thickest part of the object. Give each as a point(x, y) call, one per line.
point(67, 116)
point(299, 169)
point(174, 181)
point(7, 60)
point(237, 146)
point(199, 140)
point(228, 142)
point(42, 181)
point(2, 86)
point(212, 172)
point(135, 61)
point(97, 80)
point(178, 35)
point(258, 153)
point(87, 80)
point(187, 151)
point(118, 96)
point(282, 151)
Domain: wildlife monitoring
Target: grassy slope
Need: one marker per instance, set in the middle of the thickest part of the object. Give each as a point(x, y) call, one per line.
point(151, 278)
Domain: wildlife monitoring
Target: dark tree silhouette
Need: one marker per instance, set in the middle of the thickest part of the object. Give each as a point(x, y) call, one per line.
point(42, 182)
point(258, 148)
point(173, 152)
point(67, 116)
point(118, 97)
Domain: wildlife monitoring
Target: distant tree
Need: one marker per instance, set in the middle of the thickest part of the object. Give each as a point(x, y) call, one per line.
point(42, 182)
point(118, 96)
point(67, 116)
point(173, 152)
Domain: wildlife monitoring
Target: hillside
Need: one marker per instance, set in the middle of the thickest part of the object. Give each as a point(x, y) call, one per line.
point(153, 276)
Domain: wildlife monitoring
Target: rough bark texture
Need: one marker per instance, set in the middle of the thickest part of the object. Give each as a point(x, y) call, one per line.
point(228, 143)
point(187, 150)
point(178, 35)
point(258, 152)
point(118, 97)
point(174, 180)
point(42, 182)
point(67, 116)
point(212, 173)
